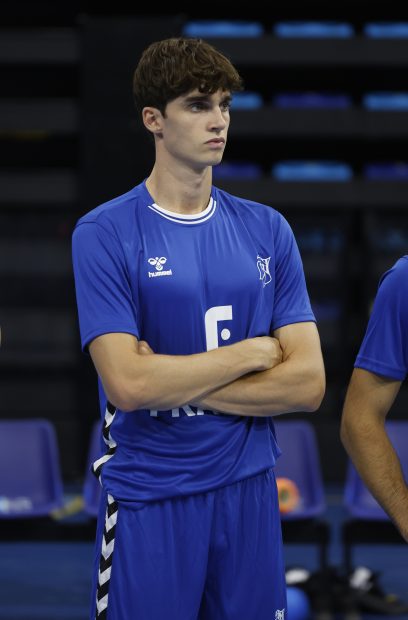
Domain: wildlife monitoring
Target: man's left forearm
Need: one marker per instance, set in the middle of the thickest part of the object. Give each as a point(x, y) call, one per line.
point(293, 385)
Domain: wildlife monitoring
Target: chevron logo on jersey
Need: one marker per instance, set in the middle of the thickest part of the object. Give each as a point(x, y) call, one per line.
point(158, 262)
point(263, 268)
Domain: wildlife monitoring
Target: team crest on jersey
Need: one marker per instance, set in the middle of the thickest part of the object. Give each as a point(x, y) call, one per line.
point(158, 263)
point(280, 614)
point(263, 268)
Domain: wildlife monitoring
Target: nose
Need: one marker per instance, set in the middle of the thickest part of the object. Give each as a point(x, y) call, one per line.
point(219, 120)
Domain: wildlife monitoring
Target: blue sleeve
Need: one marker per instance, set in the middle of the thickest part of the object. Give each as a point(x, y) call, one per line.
point(103, 292)
point(384, 348)
point(292, 304)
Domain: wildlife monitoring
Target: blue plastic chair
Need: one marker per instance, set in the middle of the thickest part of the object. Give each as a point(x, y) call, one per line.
point(300, 463)
point(357, 498)
point(30, 475)
point(368, 523)
point(92, 487)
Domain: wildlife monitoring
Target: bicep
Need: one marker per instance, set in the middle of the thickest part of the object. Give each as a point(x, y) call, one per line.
point(115, 356)
point(369, 395)
point(300, 340)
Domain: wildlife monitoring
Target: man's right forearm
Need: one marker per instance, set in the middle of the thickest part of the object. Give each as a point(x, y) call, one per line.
point(378, 465)
point(369, 398)
point(165, 382)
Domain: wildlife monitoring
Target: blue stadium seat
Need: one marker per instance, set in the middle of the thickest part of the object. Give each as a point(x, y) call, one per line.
point(30, 476)
point(368, 523)
point(300, 463)
point(222, 28)
point(357, 498)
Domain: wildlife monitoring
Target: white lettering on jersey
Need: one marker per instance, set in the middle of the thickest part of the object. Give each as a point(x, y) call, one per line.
point(175, 413)
point(212, 317)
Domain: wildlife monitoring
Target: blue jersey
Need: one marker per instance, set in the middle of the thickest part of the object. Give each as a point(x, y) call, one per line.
point(185, 284)
point(384, 350)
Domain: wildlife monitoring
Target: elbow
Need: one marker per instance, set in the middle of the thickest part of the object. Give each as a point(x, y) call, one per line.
point(125, 396)
point(316, 392)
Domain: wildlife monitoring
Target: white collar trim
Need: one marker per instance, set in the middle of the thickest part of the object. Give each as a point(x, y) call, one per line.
point(181, 218)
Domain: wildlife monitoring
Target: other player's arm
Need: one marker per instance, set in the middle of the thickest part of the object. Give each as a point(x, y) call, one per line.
point(133, 380)
point(297, 384)
point(368, 400)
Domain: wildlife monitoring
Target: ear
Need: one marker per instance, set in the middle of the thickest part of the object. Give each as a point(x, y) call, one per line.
point(152, 119)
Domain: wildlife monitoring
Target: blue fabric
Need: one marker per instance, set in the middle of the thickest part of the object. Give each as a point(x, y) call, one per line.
point(392, 30)
point(210, 556)
point(384, 349)
point(386, 101)
point(313, 30)
point(312, 100)
point(311, 171)
point(156, 274)
point(209, 28)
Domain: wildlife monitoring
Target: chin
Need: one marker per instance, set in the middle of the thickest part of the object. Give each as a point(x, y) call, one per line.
point(216, 160)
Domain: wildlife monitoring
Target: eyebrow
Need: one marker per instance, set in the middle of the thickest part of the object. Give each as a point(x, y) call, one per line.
point(204, 97)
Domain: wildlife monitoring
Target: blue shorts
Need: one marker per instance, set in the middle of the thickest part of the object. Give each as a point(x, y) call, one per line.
point(211, 556)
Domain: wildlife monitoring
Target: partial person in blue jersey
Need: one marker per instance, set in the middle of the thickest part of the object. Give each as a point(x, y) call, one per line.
point(380, 368)
point(193, 306)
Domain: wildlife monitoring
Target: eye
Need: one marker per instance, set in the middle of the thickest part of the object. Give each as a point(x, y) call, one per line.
point(226, 105)
point(197, 106)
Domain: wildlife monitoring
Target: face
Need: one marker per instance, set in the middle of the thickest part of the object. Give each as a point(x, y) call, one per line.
point(194, 128)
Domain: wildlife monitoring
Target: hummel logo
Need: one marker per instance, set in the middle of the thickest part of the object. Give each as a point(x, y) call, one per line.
point(158, 263)
point(263, 267)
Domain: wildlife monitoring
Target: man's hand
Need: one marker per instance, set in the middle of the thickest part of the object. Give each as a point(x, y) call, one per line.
point(269, 349)
point(144, 348)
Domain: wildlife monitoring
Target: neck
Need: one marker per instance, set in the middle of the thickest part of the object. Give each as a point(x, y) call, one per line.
point(180, 190)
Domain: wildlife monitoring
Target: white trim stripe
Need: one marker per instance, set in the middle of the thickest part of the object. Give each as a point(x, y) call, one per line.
point(107, 548)
point(111, 521)
point(105, 576)
point(101, 461)
point(196, 218)
point(102, 604)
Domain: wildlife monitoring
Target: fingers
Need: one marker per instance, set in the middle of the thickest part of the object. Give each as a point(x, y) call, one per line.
point(144, 348)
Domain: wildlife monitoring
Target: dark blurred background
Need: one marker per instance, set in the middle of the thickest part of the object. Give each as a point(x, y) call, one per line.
point(70, 139)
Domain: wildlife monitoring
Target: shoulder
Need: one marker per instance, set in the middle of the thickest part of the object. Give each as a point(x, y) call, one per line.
point(250, 209)
point(398, 272)
point(395, 281)
point(391, 299)
point(114, 214)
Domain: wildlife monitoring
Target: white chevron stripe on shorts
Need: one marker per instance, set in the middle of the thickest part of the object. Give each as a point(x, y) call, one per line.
point(105, 562)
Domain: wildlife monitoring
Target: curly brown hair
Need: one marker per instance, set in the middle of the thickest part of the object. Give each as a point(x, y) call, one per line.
point(173, 67)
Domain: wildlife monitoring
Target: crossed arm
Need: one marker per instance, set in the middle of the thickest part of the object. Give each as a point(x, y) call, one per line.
point(295, 384)
point(257, 376)
point(368, 400)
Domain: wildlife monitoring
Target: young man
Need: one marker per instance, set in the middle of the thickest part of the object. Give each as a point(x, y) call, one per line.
point(380, 368)
point(194, 308)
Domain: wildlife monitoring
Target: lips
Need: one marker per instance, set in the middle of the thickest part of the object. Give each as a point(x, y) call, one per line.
point(216, 141)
